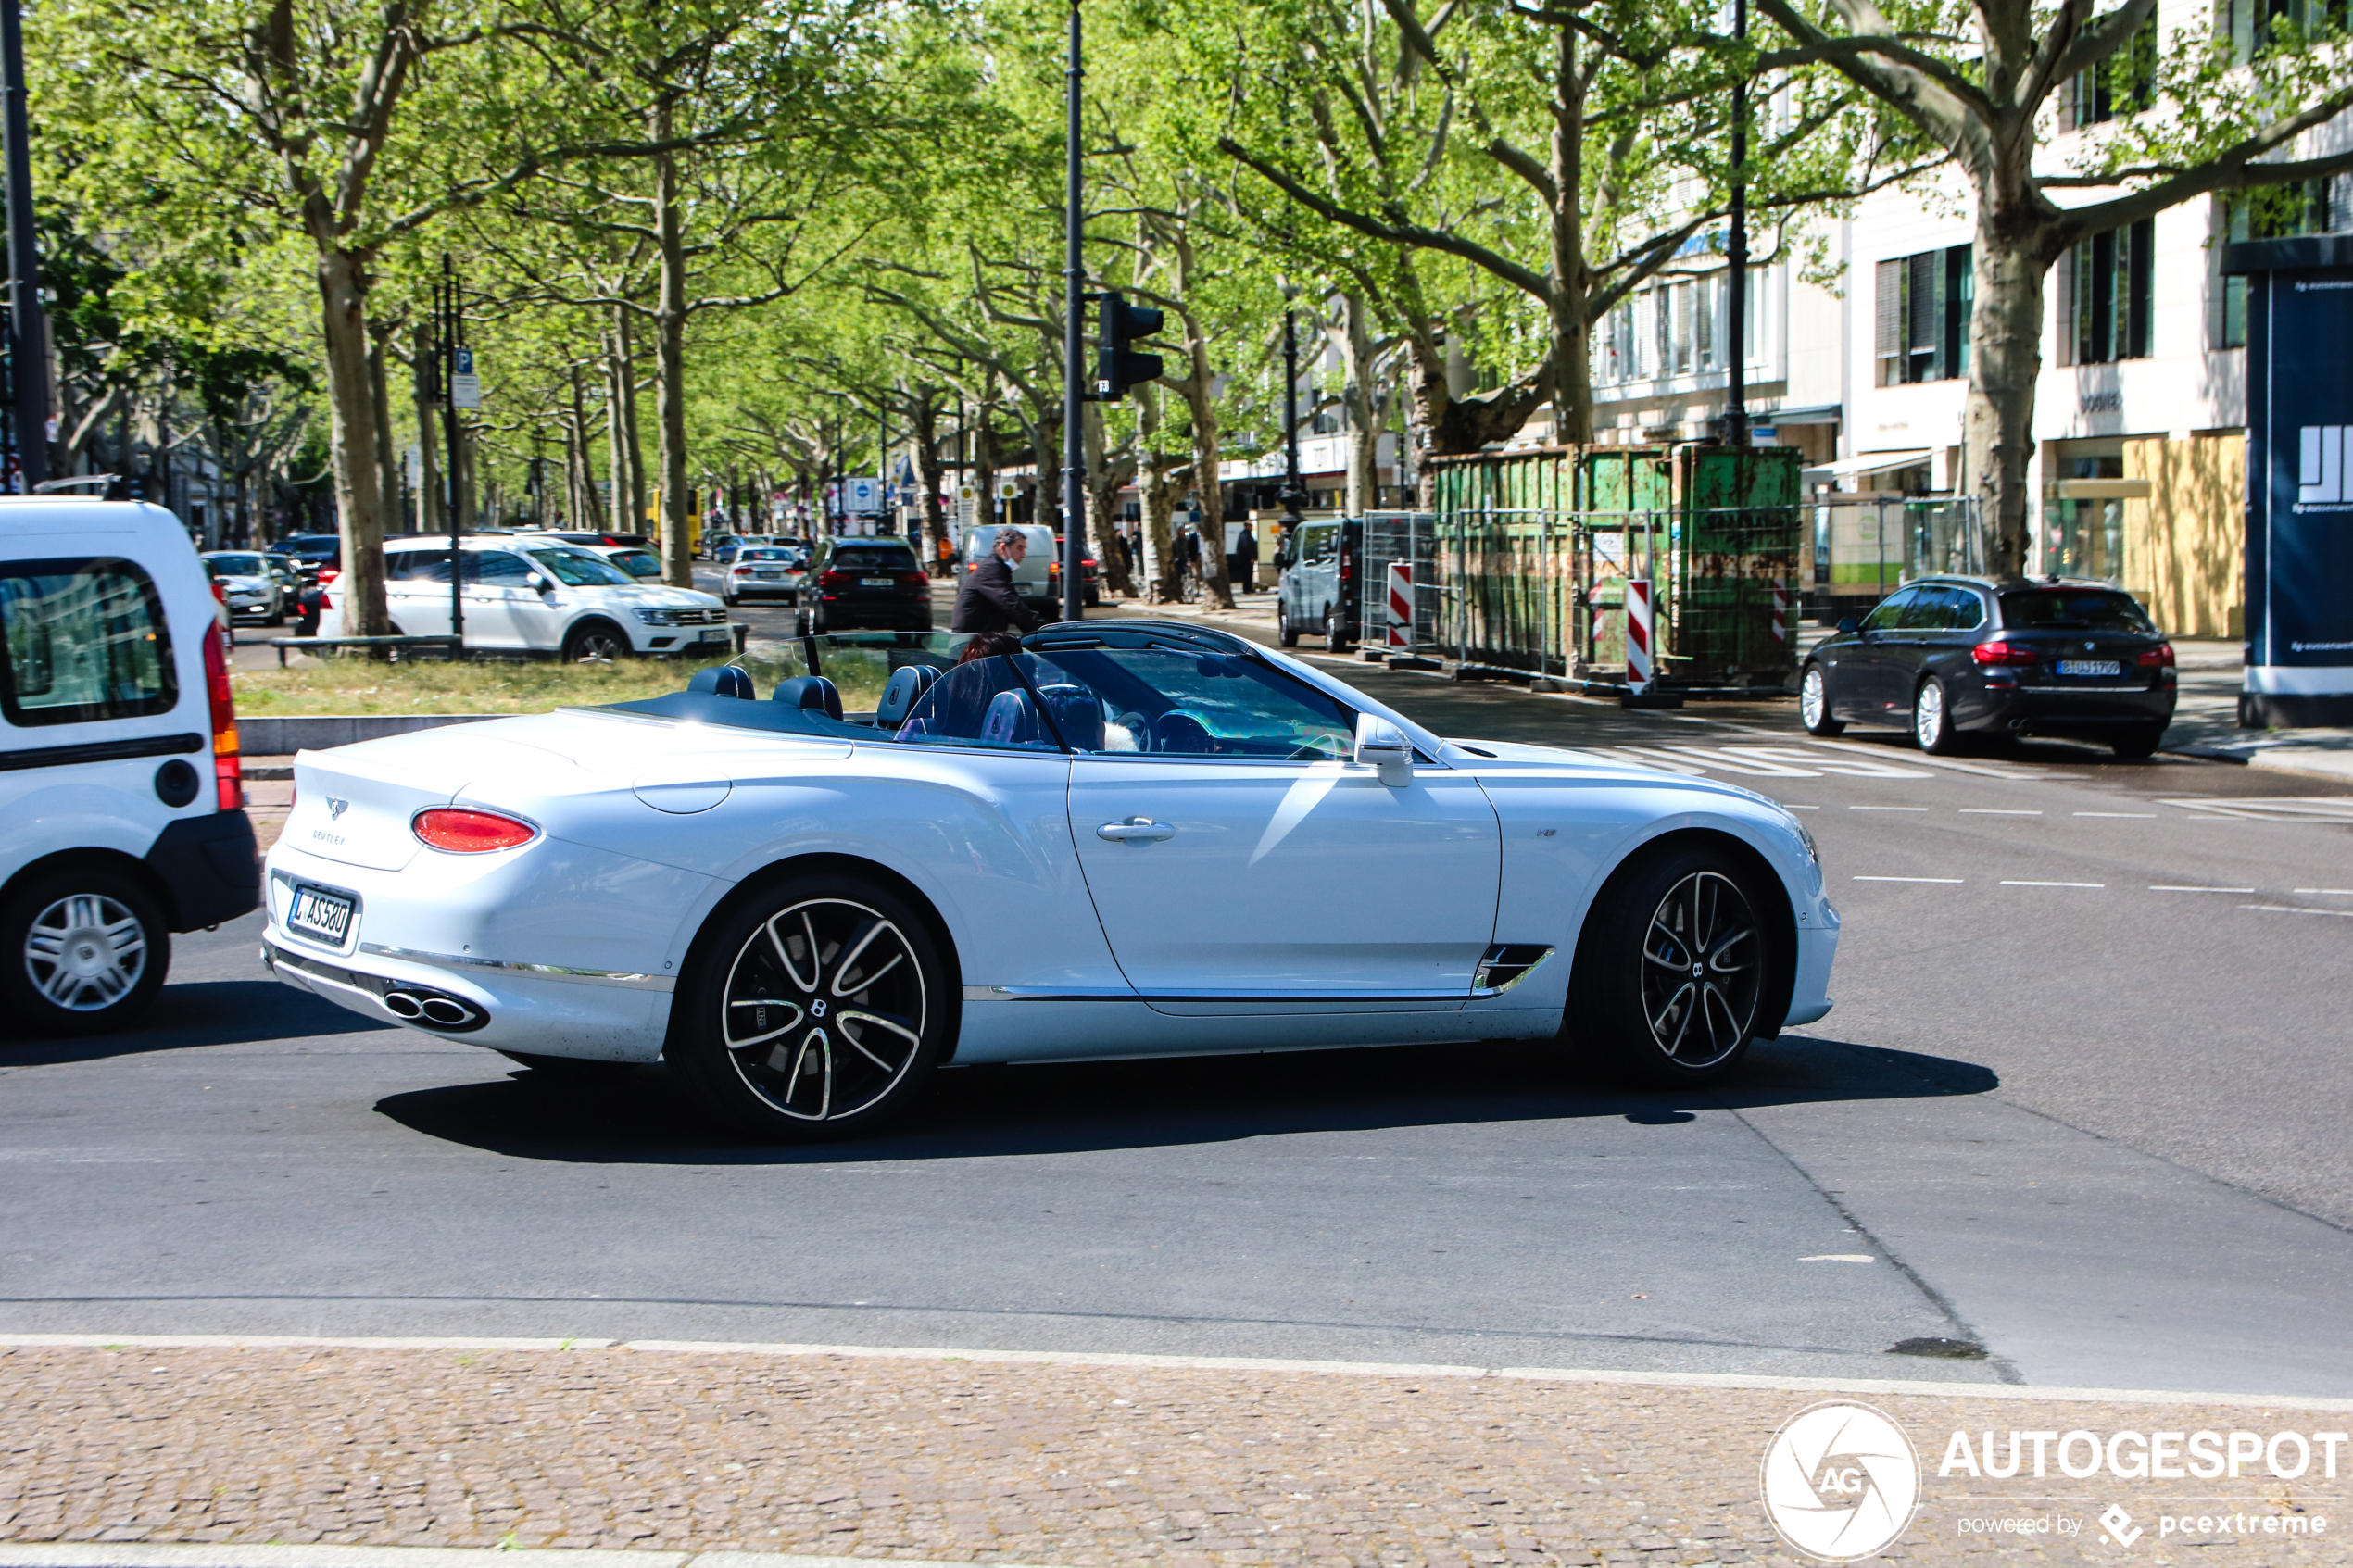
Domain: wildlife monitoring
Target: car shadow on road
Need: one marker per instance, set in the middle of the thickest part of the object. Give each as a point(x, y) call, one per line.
point(639, 1117)
point(203, 1013)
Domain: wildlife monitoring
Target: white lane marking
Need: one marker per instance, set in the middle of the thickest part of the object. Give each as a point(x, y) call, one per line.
point(1887, 808)
point(2291, 910)
point(2054, 885)
point(2161, 887)
point(1840, 1258)
point(2015, 775)
point(1670, 754)
point(1304, 795)
point(2149, 815)
point(1787, 807)
point(2325, 892)
point(2271, 809)
point(1953, 881)
point(1637, 756)
point(1850, 768)
point(1995, 811)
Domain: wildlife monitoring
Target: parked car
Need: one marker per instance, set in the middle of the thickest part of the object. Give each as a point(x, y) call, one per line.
point(1320, 589)
point(250, 587)
point(765, 571)
point(119, 765)
point(1037, 578)
point(638, 560)
point(865, 582)
point(1091, 577)
point(1133, 838)
point(548, 600)
point(311, 553)
point(1955, 656)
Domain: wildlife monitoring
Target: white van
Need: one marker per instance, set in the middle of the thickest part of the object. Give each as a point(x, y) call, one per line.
point(122, 815)
point(528, 597)
point(1038, 577)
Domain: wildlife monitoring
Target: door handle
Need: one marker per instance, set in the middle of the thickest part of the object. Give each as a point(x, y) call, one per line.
point(1136, 830)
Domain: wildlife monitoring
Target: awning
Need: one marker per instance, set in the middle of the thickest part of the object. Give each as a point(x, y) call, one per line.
point(1870, 462)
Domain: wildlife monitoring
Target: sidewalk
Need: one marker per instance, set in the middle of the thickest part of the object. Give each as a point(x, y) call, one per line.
point(2206, 721)
point(1036, 1459)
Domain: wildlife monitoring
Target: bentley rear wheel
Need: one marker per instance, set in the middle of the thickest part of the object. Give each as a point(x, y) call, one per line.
point(814, 1011)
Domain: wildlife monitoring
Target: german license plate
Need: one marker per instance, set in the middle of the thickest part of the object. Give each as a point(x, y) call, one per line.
point(766, 573)
point(317, 912)
point(873, 582)
point(2091, 667)
point(713, 634)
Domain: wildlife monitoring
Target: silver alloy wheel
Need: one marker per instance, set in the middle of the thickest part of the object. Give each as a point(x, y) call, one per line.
point(597, 644)
point(1703, 970)
point(1813, 698)
point(86, 952)
point(1928, 715)
point(825, 1008)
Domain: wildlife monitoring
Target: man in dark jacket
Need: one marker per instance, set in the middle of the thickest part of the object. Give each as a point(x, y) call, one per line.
point(987, 601)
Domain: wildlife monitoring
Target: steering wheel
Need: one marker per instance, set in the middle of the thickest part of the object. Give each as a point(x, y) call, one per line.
point(1178, 733)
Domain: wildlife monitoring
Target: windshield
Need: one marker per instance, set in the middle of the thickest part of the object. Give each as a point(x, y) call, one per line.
point(235, 566)
point(578, 569)
point(637, 563)
point(2074, 609)
point(868, 558)
point(764, 555)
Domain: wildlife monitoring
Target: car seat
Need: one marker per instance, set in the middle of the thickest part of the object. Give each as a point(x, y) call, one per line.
point(811, 692)
point(1077, 713)
point(725, 681)
point(907, 685)
point(1010, 721)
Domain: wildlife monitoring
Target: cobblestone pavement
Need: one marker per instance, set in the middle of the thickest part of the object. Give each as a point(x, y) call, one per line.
point(1056, 1462)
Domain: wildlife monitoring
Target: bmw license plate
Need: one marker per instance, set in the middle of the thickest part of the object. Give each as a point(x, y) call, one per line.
point(873, 582)
point(2091, 667)
point(318, 913)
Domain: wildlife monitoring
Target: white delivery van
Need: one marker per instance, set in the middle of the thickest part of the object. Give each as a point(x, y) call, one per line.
point(122, 815)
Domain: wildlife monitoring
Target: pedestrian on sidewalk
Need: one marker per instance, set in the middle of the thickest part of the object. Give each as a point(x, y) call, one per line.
point(1241, 567)
point(987, 601)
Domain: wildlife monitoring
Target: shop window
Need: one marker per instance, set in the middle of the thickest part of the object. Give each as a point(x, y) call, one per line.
point(2104, 295)
point(1923, 304)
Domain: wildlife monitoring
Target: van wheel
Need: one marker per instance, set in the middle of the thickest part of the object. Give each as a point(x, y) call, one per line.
point(1285, 632)
point(595, 642)
point(1335, 632)
point(816, 1010)
point(82, 950)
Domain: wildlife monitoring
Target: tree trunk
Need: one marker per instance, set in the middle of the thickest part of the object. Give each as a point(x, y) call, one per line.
point(2006, 357)
point(1158, 491)
point(1571, 366)
point(670, 366)
point(621, 412)
point(351, 440)
point(1106, 476)
point(387, 456)
point(428, 401)
point(984, 470)
point(929, 470)
point(1363, 402)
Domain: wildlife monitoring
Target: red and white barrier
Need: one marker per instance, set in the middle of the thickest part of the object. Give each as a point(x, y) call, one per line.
point(1781, 610)
point(1401, 604)
point(1638, 634)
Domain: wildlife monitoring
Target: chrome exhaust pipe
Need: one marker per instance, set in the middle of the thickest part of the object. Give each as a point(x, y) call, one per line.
point(433, 1009)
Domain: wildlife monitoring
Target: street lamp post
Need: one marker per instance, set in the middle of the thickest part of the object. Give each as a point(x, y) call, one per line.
point(1074, 348)
point(28, 337)
point(1292, 495)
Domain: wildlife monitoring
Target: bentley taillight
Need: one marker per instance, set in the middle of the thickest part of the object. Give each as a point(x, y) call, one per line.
point(468, 830)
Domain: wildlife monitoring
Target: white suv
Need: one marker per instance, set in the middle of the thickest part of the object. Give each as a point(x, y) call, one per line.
point(527, 596)
point(121, 816)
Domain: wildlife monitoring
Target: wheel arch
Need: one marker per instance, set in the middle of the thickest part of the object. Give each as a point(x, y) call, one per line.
point(767, 876)
point(1764, 880)
point(131, 866)
point(589, 621)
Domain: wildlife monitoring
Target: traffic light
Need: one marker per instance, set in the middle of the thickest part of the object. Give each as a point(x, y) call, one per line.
point(1117, 366)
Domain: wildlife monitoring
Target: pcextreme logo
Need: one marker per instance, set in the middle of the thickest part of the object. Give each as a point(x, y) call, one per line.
point(1841, 1481)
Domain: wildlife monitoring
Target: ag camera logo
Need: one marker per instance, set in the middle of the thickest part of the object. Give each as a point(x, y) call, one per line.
point(1841, 1481)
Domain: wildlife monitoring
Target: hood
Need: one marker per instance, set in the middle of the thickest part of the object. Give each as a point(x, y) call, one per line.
point(652, 596)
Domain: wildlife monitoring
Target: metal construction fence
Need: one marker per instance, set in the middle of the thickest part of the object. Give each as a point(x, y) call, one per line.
point(1864, 547)
point(1532, 554)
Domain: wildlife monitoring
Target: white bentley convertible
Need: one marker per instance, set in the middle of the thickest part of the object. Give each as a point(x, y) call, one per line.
point(1131, 838)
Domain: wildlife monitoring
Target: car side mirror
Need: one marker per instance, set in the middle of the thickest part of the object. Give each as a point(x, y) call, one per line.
point(1847, 623)
point(542, 584)
point(1383, 744)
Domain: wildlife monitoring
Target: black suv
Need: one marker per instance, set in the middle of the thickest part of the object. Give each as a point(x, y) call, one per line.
point(865, 582)
point(1956, 656)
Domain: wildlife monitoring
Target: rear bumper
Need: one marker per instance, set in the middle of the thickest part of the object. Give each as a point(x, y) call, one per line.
point(208, 867)
point(2064, 709)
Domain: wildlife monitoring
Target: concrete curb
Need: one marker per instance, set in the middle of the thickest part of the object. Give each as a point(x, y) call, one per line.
point(264, 736)
point(1913, 1387)
point(107, 1554)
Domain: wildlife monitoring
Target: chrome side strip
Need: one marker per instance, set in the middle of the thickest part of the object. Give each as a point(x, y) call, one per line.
point(1046, 994)
point(542, 971)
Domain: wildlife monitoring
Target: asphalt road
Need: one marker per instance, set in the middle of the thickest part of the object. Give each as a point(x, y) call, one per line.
point(2082, 1102)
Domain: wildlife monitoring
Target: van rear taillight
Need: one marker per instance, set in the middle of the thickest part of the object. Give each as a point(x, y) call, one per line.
point(225, 720)
point(462, 831)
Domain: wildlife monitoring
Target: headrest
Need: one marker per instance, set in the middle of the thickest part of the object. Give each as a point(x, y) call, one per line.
point(1008, 720)
point(908, 684)
point(725, 681)
point(1077, 713)
point(812, 692)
